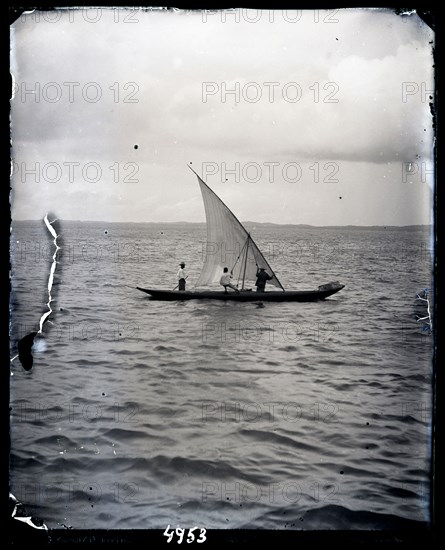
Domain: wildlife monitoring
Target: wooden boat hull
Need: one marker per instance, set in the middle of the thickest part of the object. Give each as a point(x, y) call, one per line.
point(323, 291)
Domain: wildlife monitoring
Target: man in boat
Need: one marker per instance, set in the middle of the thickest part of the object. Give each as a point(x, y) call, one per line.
point(181, 276)
point(225, 281)
point(261, 278)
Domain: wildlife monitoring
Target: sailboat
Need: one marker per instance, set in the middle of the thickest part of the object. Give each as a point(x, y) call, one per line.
point(230, 245)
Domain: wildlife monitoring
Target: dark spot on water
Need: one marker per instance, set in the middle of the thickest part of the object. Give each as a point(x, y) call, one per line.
point(241, 505)
point(61, 309)
point(336, 39)
point(227, 519)
point(91, 488)
point(191, 162)
point(227, 498)
point(92, 506)
point(341, 472)
point(24, 347)
point(136, 146)
point(367, 447)
point(301, 519)
point(103, 393)
point(120, 333)
point(367, 423)
point(106, 232)
point(339, 197)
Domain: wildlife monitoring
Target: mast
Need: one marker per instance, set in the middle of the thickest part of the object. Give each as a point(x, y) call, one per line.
point(245, 260)
point(239, 256)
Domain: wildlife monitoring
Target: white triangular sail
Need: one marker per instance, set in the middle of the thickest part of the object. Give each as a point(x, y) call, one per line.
point(227, 241)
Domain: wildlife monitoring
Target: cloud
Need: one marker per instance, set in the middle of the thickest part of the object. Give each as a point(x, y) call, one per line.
point(347, 76)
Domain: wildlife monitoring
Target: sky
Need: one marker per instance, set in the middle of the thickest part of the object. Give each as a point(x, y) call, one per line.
point(312, 117)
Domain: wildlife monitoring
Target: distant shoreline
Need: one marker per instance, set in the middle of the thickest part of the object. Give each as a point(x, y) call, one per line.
point(246, 224)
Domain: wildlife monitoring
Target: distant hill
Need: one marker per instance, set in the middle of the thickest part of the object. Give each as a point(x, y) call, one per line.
point(247, 224)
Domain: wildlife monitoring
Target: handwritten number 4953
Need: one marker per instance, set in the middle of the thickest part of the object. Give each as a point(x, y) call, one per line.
point(180, 534)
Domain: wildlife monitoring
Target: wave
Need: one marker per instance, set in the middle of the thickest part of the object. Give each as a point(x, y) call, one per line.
point(335, 517)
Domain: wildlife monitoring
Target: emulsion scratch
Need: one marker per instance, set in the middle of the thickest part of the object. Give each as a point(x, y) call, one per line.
point(408, 12)
point(51, 273)
point(26, 343)
point(19, 513)
point(429, 323)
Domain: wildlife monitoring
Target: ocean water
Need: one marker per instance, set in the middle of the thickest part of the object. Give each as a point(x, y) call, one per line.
point(142, 414)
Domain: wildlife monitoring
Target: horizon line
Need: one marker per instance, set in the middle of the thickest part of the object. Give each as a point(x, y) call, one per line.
point(243, 222)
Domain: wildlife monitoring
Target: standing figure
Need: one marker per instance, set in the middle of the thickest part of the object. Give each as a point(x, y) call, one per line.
point(181, 276)
point(261, 278)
